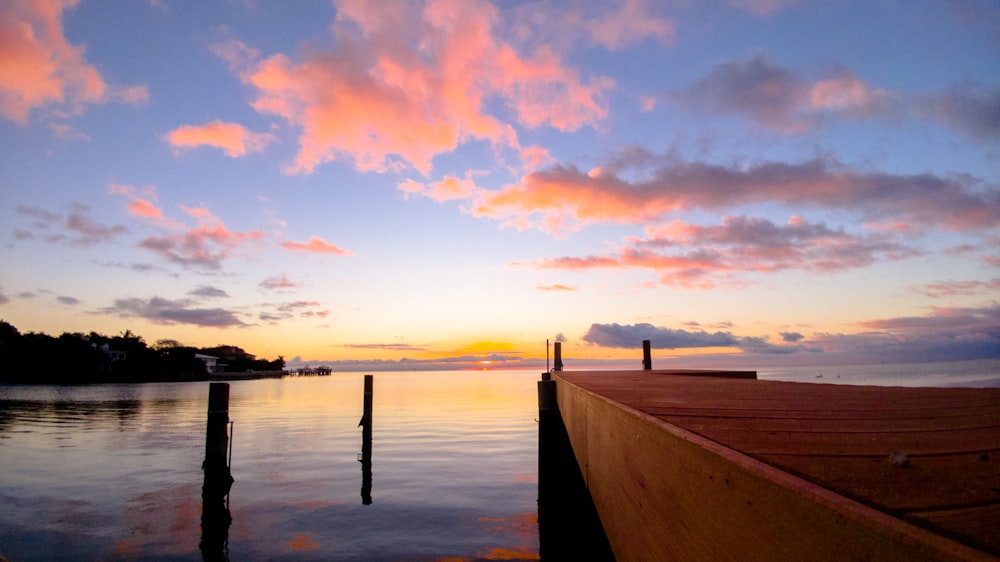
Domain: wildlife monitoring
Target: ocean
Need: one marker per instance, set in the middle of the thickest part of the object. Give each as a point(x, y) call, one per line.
point(114, 471)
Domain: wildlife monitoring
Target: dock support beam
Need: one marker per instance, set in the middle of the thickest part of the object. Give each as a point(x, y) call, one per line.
point(558, 363)
point(647, 358)
point(568, 525)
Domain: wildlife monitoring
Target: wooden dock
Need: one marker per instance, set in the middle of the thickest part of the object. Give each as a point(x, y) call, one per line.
point(683, 466)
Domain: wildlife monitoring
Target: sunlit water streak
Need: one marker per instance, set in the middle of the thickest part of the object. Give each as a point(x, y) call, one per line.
point(114, 471)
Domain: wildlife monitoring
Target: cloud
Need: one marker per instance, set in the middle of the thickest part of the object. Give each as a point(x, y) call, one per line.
point(947, 289)
point(4, 299)
point(286, 310)
point(386, 346)
point(205, 245)
point(279, 282)
point(208, 292)
point(564, 198)
point(447, 189)
point(70, 301)
point(165, 311)
point(791, 337)
point(704, 257)
point(946, 334)
point(631, 336)
point(41, 68)
point(76, 228)
point(763, 7)
point(556, 287)
point(628, 23)
point(777, 98)
point(317, 245)
point(969, 108)
point(234, 139)
point(409, 81)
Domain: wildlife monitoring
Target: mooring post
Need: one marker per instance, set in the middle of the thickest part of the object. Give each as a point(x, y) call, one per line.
point(647, 358)
point(215, 517)
point(366, 442)
point(558, 366)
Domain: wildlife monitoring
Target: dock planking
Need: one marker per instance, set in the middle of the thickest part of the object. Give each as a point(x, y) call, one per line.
point(839, 438)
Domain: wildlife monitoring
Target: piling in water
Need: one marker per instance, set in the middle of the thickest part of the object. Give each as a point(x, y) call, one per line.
point(558, 352)
point(215, 517)
point(366, 442)
point(647, 358)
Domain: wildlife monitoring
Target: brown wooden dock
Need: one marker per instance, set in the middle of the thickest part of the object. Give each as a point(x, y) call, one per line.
point(713, 468)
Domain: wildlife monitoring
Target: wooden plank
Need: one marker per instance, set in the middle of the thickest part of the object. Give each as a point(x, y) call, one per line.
point(873, 442)
point(769, 420)
point(978, 526)
point(972, 415)
point(935, 482)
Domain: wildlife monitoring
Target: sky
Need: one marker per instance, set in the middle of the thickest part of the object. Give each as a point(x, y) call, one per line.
point(453, 183)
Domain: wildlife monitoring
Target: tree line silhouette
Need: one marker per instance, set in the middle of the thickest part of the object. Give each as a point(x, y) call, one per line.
point(78, 358)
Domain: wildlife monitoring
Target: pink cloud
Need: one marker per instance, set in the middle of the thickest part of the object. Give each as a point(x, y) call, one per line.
point(40, 68)
point(846, 93)
point(559, 287)
point(280, 282)
point(564, 198)
point(234, 139)
point(317, 245)
point(411, 81)
point(447, 189)
point(205, 245)
point(629, 25)
point(949, 289)
point(777, 98)
point(703, 257)
point(145, 209)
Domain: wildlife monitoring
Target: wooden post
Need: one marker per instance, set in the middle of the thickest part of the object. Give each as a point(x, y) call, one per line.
point(558, 352)
point(647, 358)
point(366, 442)
point(215, 517)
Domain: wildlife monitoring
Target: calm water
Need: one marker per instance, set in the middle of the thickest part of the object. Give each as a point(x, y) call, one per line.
point(114, 471)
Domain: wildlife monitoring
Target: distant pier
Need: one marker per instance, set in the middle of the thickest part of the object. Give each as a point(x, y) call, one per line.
point(701, 465)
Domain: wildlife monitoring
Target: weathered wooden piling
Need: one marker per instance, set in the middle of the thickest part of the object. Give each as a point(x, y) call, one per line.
point(366, 442)
point(558, 366)
point(647, 357)
point(215, 517)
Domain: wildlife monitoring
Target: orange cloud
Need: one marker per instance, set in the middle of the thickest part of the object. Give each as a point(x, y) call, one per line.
point(409, 82)
point(39, 67)
point(234, 139)
point(144, 208)
point(317, 245)
point(846, 93)
point(448, 188)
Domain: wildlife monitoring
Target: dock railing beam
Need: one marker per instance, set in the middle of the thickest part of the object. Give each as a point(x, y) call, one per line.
point(647, 358)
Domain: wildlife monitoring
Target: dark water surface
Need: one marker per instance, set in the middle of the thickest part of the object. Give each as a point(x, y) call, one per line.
point(114, 471)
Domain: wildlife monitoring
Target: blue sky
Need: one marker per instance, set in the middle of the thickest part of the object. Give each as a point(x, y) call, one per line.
point(451, 183)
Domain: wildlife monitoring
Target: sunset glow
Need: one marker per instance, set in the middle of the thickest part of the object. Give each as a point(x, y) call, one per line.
point(437, 184)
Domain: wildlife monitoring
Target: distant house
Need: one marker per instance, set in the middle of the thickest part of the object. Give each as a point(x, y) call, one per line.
point(323, 371)
point(211, 362)
point(113, 354)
